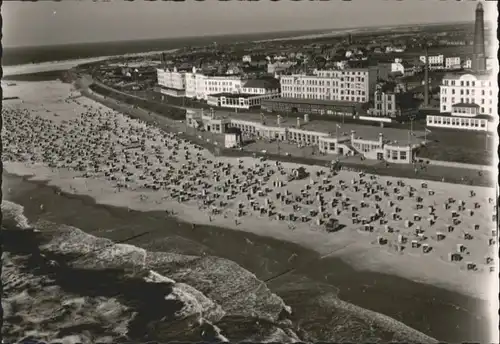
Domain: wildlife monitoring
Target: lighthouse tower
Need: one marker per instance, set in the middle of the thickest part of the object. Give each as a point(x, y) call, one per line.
point(479, 55)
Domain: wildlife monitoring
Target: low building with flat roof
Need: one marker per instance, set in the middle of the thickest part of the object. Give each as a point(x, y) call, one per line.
point(388, 144)
point(239, 100)
point(311, 106)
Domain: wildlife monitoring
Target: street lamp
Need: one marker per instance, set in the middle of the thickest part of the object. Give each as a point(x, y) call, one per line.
point(410, 132)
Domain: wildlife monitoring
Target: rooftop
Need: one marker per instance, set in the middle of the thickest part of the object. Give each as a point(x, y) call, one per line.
point(259, 83)
point(233, 95)
point(363, 132)
point(465, 105)
point(456, 76)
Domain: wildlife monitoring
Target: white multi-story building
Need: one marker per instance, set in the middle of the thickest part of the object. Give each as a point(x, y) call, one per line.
point(353, 85)
point(452, 63)
point(173, 82)
point(435, 62)
point(468, 89)
point(199, 86)
point(468, 102)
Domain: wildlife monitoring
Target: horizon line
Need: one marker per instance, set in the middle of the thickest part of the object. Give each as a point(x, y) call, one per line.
point(238, 34)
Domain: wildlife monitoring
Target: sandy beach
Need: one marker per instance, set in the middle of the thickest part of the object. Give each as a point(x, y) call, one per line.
point(402, 227)
point(67, 64)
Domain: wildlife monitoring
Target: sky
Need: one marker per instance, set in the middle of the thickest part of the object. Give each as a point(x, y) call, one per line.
point(49, 23)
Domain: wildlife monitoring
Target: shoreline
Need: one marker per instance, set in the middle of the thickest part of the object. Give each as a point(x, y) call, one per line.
point(350, 283)
point(351, 244)
point(31, 68)
point(356, 254)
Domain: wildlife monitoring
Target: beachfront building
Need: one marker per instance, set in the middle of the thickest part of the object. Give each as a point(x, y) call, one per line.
point(238, 100)
point(468, 88)
point(249, 95)
point(172, 82)
point(463, 116)
point(207, 121)
point(399, 153)
point(224, 90)
point(349, 85)
point(344, 144)
point(311, 106)
point(468, 102)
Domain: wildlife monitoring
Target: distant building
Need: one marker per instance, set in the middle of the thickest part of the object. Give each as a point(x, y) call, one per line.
point(278, 67)
point(452, 63)
point(467, 64)
point(394, 49)
point(246, 58)
point(397, 67)
point(435, 62)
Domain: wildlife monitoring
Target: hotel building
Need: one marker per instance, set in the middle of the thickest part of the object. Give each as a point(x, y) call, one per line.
point(468, 102)
point(350, 85)
point(219, 90)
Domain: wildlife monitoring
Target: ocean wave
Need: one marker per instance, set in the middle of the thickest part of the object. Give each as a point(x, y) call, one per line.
point(13, 212)
point(195, 292)
point(176, 296)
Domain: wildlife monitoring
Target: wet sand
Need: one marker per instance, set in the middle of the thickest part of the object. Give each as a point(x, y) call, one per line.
point(309, 289)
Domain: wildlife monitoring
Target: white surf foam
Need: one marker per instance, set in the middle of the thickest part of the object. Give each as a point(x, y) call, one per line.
point(15, 212)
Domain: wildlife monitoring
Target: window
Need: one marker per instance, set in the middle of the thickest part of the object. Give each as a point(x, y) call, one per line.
point(452, 91)
point(394, 155)
point(402, 155)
